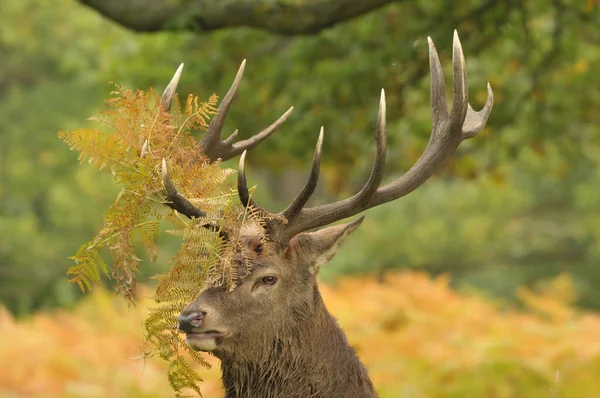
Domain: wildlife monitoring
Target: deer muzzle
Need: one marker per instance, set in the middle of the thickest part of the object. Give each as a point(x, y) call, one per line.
point(188, 321)
point(200, 336)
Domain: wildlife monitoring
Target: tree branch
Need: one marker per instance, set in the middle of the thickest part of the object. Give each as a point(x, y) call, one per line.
point(277, 16)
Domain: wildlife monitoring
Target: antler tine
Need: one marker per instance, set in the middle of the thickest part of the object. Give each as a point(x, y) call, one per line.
point(448, 131)
point(215, 148)
point(376, 176)
point(212, 137)
point(475, 121)
point(439, 107)
point(176, 200)
point(144, 150)
point(311, 184)
point(239, 147)
point(242, 184)
point(167, 98)
point(460, 94)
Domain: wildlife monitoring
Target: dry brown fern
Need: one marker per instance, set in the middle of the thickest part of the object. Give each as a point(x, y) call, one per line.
point(143, 140)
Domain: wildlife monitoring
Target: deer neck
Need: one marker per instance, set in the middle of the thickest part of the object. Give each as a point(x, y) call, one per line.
point(307, 357)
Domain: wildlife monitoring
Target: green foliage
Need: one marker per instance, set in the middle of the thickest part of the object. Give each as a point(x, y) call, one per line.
point(541, 59)
point(495, 235)
point(46, 205)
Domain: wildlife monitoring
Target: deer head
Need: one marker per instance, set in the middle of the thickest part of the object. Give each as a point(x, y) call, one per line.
point(277, 306)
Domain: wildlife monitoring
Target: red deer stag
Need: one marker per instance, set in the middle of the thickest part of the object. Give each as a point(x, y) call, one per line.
point(272, 332)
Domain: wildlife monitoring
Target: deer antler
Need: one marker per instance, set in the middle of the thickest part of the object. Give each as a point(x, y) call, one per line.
point(211, 145)
point(215, 148)
point(175, 201)
point(448, 131)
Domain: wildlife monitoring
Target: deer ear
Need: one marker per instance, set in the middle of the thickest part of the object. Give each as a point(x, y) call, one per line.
point(314, 249)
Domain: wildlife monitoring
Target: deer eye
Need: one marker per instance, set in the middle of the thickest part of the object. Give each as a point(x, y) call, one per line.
point(269, 280)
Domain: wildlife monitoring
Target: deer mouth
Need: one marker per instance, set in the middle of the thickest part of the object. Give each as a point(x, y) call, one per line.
point(206, 340)
point(209, 334)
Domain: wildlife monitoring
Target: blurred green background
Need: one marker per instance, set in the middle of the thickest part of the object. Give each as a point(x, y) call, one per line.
point(514, 207)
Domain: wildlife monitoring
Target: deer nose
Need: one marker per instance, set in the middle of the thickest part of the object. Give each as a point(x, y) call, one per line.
point(188, 321)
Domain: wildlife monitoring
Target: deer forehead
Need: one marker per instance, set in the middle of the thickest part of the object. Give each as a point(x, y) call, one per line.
point(257, 256)
point(251, 236)
point(253, 247)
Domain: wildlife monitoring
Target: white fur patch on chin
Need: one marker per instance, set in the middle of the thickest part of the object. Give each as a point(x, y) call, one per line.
point(201, 345)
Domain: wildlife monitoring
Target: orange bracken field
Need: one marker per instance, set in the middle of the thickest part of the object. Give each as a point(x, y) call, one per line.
point(418, 337)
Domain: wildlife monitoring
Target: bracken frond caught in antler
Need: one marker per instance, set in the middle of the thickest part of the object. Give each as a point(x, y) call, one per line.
point(142, 136)
point(147, 136)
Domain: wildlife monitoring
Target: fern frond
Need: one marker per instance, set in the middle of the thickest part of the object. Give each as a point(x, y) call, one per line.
point(196, 357)
point(141, 134)
point(181, 375)
point(88, 268)
point(101, 150)
point(148, 232)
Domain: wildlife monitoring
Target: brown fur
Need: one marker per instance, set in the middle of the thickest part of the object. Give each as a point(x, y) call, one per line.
point(282, 342)
point(308, 357)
